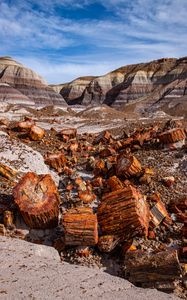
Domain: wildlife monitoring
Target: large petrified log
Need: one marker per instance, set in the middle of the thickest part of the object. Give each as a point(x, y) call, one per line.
point(128, 166)
point(80, 225)
point(38, 200)
point(152, 269)
point(124, 213)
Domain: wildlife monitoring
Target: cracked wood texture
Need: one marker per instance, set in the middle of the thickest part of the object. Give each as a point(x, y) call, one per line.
point(80, 226)
point(38, 200)
point(123, 213)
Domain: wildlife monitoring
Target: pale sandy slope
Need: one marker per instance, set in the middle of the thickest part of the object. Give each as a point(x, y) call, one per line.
point(29, 271)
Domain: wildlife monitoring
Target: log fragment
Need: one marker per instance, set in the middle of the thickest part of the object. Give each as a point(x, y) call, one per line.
point(38, 201)
point(107, 243)
point(36, 133)
point(7, 172)
point(80, 226)
point(128, 166)
point(68, 133)
point(148, 269)
point(115, 183)
point(25, 125)
point(172, 136)
point(103, 137)
point(124, 213)
point(56, 160)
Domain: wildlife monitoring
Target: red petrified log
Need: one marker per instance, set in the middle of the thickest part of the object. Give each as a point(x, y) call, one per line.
point(68, 133)
point(172, 136)
point(80, 225)
point(128, 166)
point(124, 213)
point(56, 161)
point(36, 133)
point(38, 200)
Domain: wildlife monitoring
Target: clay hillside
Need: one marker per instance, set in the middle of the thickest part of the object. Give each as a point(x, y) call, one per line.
point(20, 85)
point(156, 85)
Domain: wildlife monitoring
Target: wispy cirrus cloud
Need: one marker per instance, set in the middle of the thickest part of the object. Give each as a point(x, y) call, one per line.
point(52, 37)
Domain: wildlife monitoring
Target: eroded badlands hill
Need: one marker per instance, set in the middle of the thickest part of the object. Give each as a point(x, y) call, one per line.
point(20, 85)
point(159, 84)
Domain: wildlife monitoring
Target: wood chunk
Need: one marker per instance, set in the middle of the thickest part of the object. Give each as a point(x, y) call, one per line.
point(124, 213)
point(86, 196)
point(7, 172)
point(148, 269)
point(36, 133)
point(38, 200)
point(158, 213)
point(115, 183)
point(68, 133)
point(172, 136)
point(128, 166)
point(80, 226)
point(103, 137)
point(107, 243)
point(56, 160)
point(25, 125)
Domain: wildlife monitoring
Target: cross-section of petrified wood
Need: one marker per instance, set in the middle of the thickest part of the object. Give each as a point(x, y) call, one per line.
point(36, 133)
point(7, 172)
point(128, 166)
point(124, 213)
point(38, 201)
point(80, 226)
point(148, 269)
point(56, 160)
point(172, 136)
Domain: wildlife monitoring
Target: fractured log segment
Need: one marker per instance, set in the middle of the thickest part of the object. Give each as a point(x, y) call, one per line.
point(149, 269)
point(128, 166)
point(124, 213)
point(56, 160)
point(38, 200)
point(172, 136)
point(7, 172)
point(80, 226)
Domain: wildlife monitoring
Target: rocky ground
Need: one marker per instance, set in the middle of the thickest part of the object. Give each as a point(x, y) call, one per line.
point(88, 160)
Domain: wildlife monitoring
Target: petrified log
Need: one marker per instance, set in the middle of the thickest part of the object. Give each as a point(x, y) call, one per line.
point(36, 133)
point(86, 196)
point(57, 161)
point(124, 213)
point(172, 136)
point(68, 133)
point(148, 269)
point(80, 226)
point(38, 200)
point(128, 166)
point(7, 172)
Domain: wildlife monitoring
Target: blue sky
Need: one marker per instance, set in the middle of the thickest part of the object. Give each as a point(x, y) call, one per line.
point(62, 40)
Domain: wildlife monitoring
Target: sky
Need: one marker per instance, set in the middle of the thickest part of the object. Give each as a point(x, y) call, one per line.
point(65, 39)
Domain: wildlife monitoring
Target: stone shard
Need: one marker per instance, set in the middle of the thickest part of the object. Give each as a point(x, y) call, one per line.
point(152, 269)
point(36, 133)
point(128, 166)
point(38, 200)
point(123, 213)
point(80, 226)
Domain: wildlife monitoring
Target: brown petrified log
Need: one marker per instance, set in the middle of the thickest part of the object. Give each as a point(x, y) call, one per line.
point(36, 133)
point(124, 213)
point(149, 269)
point(172, 136)
point(68, 133)
point(7, 172)
point(56, 160)
point(38, 200)
point(128, 166)
point(80, 226)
